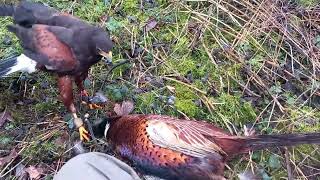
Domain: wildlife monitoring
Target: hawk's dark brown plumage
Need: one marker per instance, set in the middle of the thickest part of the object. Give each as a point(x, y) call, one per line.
point(57, 42)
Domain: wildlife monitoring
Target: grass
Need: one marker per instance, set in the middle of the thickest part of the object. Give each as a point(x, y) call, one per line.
point(233, 63)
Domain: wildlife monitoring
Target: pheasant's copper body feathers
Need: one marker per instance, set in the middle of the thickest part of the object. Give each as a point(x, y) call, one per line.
point(131, 138)
point(145, 148)
point(181, 149)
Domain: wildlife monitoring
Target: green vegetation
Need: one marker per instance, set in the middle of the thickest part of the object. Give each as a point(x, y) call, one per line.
point(232, 63)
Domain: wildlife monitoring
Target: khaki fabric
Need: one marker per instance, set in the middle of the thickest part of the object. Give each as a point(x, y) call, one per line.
point(96, 166)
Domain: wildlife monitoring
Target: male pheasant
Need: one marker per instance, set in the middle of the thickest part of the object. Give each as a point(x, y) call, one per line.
point(173, 148)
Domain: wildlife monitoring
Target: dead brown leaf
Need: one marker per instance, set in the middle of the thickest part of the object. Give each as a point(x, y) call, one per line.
point(124, 109)
point(4, 160)
point(5, 116)
point(34, 173)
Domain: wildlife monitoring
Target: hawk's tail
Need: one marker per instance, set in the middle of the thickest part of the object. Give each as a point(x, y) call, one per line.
point(7, 65)
point(20, 63)
point(6, 10)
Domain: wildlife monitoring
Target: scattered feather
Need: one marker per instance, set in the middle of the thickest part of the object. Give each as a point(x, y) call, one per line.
point(78, 148)
point(248, 175)
point(248, 131)
point(20, 172)
point(99, 98)
point(124, 109)
point(150, 25)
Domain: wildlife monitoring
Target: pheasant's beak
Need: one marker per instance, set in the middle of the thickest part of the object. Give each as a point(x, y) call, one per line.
point(107, 56)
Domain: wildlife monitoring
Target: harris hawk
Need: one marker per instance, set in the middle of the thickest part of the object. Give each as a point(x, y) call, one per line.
point(27, 13)
point(64, 45)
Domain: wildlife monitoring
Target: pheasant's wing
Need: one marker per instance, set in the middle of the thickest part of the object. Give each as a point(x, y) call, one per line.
point(190, 137)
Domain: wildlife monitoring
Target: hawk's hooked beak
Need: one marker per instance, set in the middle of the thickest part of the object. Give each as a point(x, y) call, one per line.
point(107, 56)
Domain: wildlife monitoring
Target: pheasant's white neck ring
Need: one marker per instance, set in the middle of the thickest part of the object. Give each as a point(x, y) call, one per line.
point(106, 129)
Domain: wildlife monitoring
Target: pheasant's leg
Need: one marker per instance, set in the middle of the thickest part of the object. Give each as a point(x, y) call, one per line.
point(83, 93)
point(66, 95)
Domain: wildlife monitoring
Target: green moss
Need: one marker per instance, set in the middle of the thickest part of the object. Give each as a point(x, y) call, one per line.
point(119, 71)
point(144, 102)
point(188, 107)
point(6, 51)
point(204, 65)
point(308, 3)
point(130, 6)
point(181, 47)
point(306, 127)
point(183, 92)
point(234, 110)
point(5, 140)
point(256, 62)
point(182, 65)
point(90, 10)
point(305, 119)
point(306, 149)
point(44, 107)
point(147, 98)
point(170, 41)
point(302, 151)
point(43, 151)
point(185, 101)
point(166, 36)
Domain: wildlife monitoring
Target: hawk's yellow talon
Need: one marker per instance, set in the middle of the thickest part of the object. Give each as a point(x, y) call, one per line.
point(84, 135)
point(94, 106)
point(91, 106)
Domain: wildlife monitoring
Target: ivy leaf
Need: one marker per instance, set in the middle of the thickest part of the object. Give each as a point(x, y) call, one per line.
point(274, 162)
point(291, 100)
point(317, 41)
point(265, 176)
point(5, 140)
point(117, 95)
point(256, 155)
point(113, 25)
point(69, 119)
point(87, 83)
point(107, 2)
